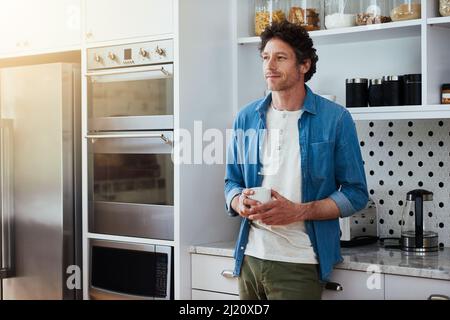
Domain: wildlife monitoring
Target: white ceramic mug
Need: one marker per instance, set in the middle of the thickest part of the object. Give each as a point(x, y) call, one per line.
point(261, 194)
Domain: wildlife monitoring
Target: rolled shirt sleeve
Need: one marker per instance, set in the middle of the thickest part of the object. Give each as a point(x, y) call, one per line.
point(352, 195)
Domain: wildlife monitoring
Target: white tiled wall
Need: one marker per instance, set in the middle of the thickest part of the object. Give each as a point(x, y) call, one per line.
point(403, 155)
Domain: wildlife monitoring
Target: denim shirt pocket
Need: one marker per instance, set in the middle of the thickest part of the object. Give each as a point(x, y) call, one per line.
point(321, 161)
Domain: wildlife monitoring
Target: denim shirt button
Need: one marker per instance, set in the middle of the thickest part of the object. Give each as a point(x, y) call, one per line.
point(242, 248)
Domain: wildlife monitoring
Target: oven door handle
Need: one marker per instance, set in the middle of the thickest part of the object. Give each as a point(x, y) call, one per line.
point(166, 70)
point(133, 135)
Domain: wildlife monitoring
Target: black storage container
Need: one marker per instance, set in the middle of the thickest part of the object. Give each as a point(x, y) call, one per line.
point(375, 93)
point(446, 93)
point(392, 90)
point(412, 90)
point(356, 92)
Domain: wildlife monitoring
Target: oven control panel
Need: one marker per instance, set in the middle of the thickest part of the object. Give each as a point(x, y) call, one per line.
point(136, 54)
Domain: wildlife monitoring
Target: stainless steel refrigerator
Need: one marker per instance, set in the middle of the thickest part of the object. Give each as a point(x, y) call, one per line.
point(40, 200)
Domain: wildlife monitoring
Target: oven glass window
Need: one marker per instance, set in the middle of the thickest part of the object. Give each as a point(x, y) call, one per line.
point(130, 96)
point(133, 178)
point(130, 272)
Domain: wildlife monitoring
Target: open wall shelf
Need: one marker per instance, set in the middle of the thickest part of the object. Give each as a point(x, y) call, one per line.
point(372, 51)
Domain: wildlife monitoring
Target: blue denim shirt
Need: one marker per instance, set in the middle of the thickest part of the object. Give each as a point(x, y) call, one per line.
point(331, 167)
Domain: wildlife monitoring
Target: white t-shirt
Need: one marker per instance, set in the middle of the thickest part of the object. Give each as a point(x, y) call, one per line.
point(282, 172)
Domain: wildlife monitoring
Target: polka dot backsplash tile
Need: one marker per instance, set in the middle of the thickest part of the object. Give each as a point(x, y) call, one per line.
point(403, 155)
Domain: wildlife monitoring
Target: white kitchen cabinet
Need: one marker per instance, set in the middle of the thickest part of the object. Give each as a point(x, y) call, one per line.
point(57, 23)
point(372, 51)
point(202, 59)
point(39, 25)
point(212, 275)
point(9, 31)
point(357, 285)
point(414, 288)
point(211, 280)
point(119, 19)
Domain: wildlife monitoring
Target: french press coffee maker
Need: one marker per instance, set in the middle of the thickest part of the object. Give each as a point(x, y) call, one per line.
point(416, 235)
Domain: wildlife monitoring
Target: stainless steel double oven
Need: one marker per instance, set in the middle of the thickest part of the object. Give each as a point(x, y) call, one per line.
point(130, 124)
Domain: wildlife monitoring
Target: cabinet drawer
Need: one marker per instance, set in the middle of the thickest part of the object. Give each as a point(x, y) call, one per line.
point(207, 273)
point(209, 295)
point(414, 288)
point(357, 285)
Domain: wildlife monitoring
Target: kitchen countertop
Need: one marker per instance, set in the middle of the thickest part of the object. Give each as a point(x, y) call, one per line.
point(388, 261)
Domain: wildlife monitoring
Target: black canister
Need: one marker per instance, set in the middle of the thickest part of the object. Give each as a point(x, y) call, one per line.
point(392, 90)
point(375, 93)
point(356, 92)
point(412, 89)
point(445, 93)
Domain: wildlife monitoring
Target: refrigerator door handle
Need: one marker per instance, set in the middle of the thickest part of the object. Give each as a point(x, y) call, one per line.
point(6, 230)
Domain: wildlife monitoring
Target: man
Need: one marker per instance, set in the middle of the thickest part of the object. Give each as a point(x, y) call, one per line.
point(307, 152)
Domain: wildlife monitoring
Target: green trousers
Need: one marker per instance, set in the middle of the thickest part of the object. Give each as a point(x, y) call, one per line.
point(275, 280)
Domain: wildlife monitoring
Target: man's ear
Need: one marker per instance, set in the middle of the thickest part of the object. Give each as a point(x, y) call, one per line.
point(305, 66)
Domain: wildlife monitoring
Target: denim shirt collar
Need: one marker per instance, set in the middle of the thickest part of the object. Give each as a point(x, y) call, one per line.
point(309, 104)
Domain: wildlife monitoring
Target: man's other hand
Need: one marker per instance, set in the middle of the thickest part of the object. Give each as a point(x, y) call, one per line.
point(242, 204)
point(279, 211)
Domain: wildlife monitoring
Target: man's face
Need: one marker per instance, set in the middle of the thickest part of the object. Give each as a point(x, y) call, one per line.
point(280, 66)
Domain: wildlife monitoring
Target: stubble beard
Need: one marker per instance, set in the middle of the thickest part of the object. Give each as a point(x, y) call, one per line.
point(283, 86)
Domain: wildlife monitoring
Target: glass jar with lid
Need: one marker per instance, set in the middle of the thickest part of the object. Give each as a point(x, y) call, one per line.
point(262, 15)
point(268, 11)
point(373, 12)
point(406, 10)
point(444, 8)
point(305, 13)
point(340, 13)
point(278, 10)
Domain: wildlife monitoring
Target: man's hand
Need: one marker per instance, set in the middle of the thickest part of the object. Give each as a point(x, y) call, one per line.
point(280, 211)
point(242, 204)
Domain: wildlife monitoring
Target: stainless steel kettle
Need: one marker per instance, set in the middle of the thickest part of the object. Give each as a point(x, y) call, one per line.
point(416, 234)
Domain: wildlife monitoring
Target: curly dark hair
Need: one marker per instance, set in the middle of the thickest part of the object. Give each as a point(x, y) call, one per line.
point(298, 38)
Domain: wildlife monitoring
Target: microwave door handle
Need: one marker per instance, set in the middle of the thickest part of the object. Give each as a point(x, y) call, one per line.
point(135, 135)
point(6, 266)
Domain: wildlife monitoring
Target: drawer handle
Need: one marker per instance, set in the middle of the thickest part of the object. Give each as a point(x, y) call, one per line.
point(438, 297)
point(334, 286)
point(227, 274)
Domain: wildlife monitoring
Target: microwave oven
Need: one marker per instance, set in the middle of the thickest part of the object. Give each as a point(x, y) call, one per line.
point(130, 271)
